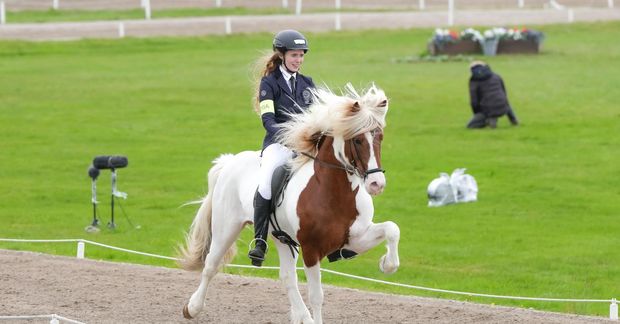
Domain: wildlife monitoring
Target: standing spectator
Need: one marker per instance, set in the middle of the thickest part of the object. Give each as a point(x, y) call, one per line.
point(488, 97)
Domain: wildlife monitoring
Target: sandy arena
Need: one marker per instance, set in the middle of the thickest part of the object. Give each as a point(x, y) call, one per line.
point(105, 292)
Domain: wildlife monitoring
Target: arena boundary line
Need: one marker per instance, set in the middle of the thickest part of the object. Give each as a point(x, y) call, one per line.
point(613, 307)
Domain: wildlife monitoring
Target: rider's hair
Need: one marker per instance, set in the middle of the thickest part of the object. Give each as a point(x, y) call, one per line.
point(263, 67)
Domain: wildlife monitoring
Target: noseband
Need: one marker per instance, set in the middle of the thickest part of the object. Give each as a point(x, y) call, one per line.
point(349, 168)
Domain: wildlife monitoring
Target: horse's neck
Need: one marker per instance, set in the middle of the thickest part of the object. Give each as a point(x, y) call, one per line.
point(334, 175)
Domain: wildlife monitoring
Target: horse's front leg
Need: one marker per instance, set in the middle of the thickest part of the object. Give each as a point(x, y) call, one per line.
point(315, 291)
point(288, 275)
point(372, 236)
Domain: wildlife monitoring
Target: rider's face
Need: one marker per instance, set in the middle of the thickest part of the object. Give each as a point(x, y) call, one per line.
point(293, 60)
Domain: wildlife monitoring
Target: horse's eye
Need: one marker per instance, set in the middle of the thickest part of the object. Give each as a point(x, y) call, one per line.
point(357, 141)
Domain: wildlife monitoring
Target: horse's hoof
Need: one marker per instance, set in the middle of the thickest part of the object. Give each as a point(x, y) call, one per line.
point(388, 269)
point(186, 313)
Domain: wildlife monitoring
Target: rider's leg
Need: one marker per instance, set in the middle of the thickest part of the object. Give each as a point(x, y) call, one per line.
point(273, 156)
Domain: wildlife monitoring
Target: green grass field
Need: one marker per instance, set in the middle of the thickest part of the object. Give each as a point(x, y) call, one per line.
point(545, 225)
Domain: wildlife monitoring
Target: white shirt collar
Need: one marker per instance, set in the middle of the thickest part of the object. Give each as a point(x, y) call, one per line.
point(286, 74)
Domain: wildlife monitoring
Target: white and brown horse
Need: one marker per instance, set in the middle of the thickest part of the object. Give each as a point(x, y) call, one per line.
point(327, 205)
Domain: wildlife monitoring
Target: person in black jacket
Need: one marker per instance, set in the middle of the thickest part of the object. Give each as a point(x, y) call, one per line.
point(488, 97)
point(282, 91)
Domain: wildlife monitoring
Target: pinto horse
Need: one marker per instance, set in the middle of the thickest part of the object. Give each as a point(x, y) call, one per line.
point(327, 206)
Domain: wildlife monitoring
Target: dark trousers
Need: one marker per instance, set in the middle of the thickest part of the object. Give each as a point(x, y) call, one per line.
point(480, 120)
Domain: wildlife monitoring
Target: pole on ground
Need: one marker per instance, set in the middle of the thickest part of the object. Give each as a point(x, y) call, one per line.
point(338, 25)
point(121, 30)
point(521, 3)
point(421, 5)
point(284, 4)
point(337, 4)
point(613, 310)
point(55, 4)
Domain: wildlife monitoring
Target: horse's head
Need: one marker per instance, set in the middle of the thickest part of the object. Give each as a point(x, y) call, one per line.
point(354, 121)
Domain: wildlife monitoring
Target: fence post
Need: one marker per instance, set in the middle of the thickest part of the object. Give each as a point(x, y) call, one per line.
point(80, 250)
point(338, 25)
point(337, 4)
point(421, 5)
point(218, 3)
point(228, 26)
point(613, 310)
point(571, 15)
point(298, 7)
point(121, 30)
point(147, 9)
point(521, 3)
point(2, 14)
point(610, 4)
point(55, 4)
point(450, 12)
point(54, 320)
point(284, 4)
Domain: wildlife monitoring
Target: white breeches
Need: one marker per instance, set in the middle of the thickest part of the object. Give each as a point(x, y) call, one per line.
point(274, 156)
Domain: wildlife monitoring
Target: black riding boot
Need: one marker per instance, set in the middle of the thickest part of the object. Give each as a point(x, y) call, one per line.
point(262, 208)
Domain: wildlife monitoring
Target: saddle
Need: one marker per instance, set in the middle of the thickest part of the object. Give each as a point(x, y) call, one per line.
point(280, 179)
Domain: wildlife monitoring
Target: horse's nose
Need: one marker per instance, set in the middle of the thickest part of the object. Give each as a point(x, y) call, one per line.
point(376, 187)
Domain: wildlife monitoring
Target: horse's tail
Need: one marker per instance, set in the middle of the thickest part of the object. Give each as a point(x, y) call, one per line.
point(198, 240)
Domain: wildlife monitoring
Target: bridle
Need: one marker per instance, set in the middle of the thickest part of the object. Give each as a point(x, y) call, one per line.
point(351, 168)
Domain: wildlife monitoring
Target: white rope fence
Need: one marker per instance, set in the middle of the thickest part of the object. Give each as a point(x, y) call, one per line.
point(613, 307)
point(54, 319)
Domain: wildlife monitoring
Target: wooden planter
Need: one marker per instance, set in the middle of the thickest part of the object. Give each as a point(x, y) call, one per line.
point(460, 47)
point(507, 46)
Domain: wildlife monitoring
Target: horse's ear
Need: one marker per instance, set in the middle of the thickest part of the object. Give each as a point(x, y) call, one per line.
point(355, 107)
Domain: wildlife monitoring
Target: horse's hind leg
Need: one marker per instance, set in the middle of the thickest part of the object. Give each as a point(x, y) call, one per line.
point(223, 239)
point(374, 234)
point(288, 275)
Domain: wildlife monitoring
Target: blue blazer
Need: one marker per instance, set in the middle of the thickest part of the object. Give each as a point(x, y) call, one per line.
point(274, 88)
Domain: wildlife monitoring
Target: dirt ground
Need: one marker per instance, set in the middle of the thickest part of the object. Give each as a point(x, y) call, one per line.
point(104, 292)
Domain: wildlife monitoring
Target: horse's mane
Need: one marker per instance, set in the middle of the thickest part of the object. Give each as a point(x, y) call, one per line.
point(345, 116)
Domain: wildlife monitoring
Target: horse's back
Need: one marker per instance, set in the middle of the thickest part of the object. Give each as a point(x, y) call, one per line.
point(236, 183)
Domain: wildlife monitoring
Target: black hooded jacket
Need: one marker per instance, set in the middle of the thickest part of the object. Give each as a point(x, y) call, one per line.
point(487, 92)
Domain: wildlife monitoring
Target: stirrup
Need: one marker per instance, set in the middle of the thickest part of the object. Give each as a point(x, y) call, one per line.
point(256, 260)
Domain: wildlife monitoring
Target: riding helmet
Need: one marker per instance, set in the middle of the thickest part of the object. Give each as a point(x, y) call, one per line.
point(290, 39)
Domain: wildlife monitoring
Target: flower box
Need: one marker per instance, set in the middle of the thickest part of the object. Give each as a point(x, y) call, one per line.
point(455, 48)
point(523, 46)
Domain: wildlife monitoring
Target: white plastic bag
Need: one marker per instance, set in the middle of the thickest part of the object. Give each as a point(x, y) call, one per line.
point(458, 187)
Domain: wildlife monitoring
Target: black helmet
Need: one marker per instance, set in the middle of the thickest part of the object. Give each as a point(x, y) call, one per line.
point(289, 39)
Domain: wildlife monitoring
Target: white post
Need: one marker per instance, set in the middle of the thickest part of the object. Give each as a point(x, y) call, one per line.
point(121, 30)
point(54, 320)
point(610, 4)
point(521, 3)
point(338, 26)
point(142, 3)
point(2, 14)
point(571, 15)
point(613, 310)
point(450, 12)
point(55, 4)
point(228, 26)
point(421, 5)
point(147, 9)
point(337, 4)
point(218, 3)
point(298, 7)
point(80, 250)
point(284, 4)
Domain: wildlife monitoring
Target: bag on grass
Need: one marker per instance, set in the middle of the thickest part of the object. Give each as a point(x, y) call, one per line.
point(458, 187)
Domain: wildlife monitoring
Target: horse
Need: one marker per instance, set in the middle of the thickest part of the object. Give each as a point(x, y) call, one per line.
point(327, 206)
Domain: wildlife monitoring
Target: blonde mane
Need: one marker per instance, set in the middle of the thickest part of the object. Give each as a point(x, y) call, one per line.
point(345, 116)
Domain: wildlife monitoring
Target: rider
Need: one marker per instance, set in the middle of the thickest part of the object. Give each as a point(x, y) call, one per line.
point(282, 91)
